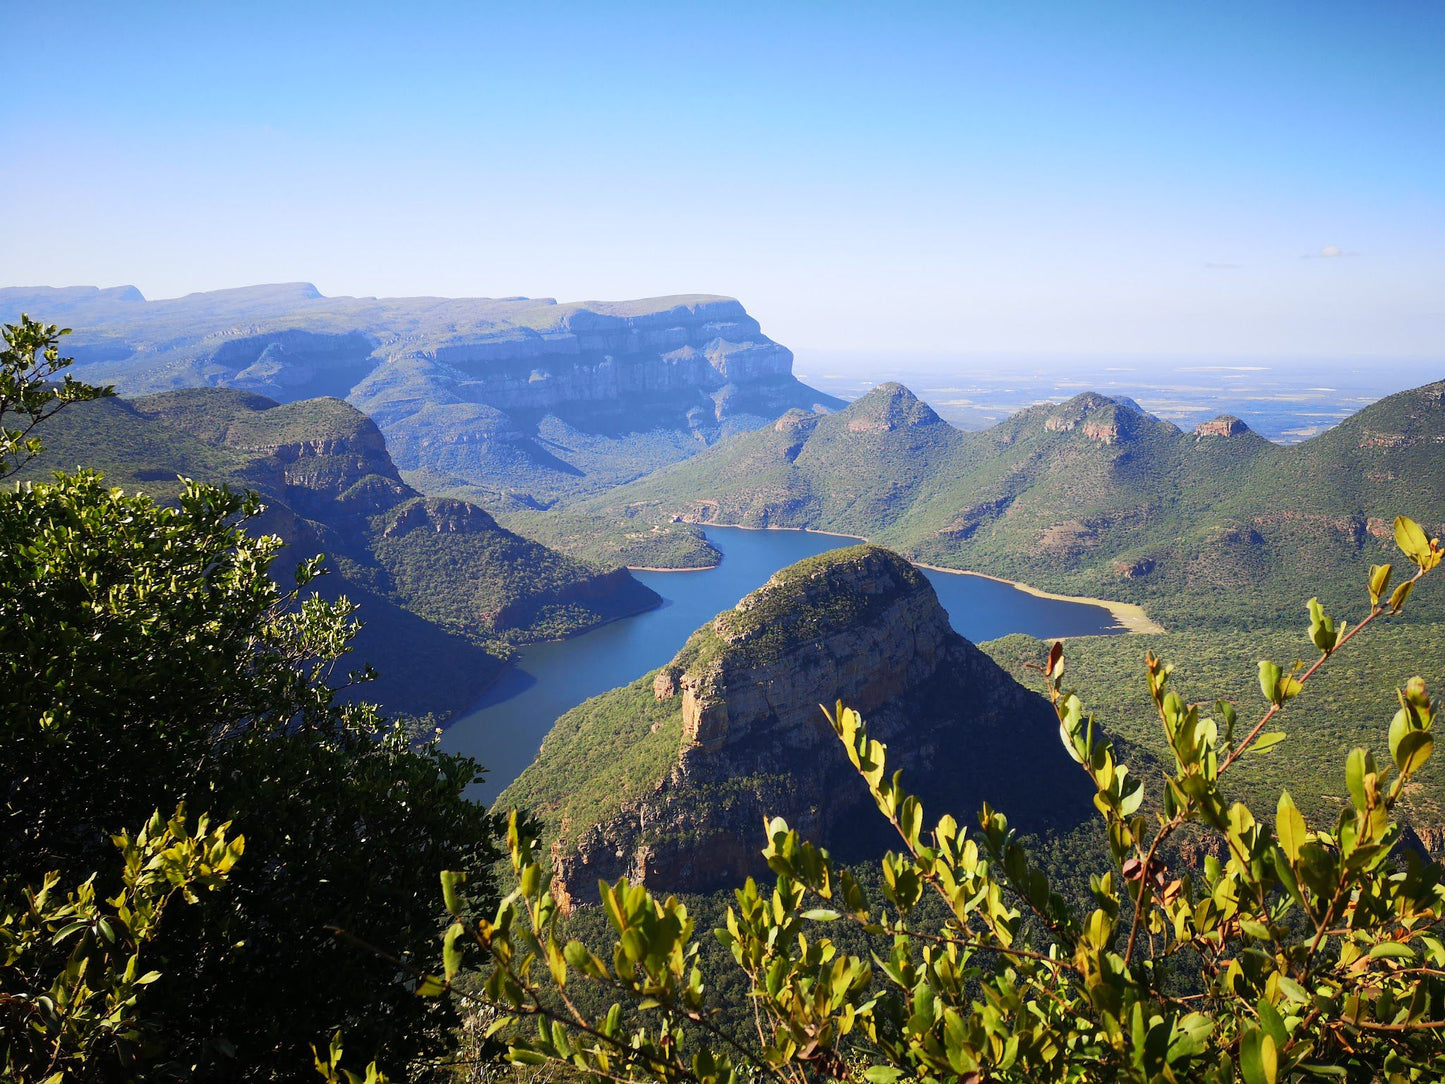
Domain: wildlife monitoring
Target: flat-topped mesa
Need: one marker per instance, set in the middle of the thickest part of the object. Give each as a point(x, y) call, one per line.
point(741, 703)
point(1226, 425)
point(596, 352)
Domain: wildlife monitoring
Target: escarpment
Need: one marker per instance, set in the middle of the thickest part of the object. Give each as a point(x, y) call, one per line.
point(668, 781)
point(521, 402)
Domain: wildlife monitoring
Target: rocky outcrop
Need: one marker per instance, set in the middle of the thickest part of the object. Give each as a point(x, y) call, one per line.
point(861, 625)
point(1226, 425)
point(440, 516)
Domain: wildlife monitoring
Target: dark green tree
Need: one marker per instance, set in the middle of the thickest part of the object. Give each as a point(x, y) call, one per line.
point(147, 659)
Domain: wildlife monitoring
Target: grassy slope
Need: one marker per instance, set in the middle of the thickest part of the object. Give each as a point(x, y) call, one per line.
point(628, 740)
point(1348, 704)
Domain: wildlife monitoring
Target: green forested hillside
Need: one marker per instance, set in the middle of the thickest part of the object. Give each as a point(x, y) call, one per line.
point(445, 590)
point(1216, 527)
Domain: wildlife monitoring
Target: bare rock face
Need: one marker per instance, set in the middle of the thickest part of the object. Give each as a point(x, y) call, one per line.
point(859, 625)
point(1226, 425)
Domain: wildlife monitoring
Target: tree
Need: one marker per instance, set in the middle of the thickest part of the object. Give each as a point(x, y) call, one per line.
point(148, 659)
point(29, 365)
point(1290, 953)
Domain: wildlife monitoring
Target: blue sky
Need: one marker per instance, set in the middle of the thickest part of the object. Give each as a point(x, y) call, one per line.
point(1235, 180)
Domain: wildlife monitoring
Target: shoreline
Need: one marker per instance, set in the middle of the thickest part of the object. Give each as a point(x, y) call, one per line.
point(1130, 616)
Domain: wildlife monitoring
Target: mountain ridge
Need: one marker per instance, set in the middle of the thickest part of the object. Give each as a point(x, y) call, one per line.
point(510, 401)
point(1089, 497)
point(445, 590)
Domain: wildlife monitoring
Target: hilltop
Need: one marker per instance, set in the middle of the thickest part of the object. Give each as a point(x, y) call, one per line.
point(445, 591)
point(666, 780)
point(1092, 496)
point(517, 402)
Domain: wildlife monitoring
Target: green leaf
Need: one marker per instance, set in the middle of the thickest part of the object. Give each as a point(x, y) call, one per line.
point(1322, 627)
point(451, 954)
point(821, 914)
point(1269, 681)
point(1401, 593)
point(1355, 771)
point(1258, 1057)
point(452, 881)
point(1272, 1022)
point(1392, 950)
point(1379, 581)
point(1413, 750)
point(882, 1074)
point(1289, 826)
point(1411, 539)
point(1265, 742)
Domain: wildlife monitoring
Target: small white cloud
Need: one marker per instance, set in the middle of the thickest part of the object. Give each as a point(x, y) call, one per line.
point(1329, 252)
point(1210, 266)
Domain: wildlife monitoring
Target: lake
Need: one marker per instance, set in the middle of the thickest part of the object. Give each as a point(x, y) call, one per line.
point(506, 727)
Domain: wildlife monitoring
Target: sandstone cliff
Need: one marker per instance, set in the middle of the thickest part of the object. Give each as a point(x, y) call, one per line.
point(731, 731)
point(518, 401)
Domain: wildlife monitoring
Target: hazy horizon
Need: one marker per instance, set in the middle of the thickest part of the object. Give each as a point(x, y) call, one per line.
point(1124, 180)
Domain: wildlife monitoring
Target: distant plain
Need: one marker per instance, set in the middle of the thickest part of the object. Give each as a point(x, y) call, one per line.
point(1286, 400)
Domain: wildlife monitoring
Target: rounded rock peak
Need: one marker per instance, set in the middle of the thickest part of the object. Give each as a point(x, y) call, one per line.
point(888, 407)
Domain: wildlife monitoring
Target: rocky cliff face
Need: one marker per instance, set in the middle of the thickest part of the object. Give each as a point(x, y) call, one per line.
point(860, 625)
point(518, 401)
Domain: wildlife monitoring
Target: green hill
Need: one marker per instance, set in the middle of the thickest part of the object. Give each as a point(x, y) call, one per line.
point(445, 591)
point(667, 779)
point(1211, 527)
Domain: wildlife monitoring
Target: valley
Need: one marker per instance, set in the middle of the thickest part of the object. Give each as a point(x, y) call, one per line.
point(505, 728)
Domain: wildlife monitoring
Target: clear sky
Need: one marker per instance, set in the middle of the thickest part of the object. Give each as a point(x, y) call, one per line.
point(1184, 178)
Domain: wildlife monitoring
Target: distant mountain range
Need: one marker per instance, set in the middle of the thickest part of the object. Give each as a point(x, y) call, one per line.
point(445, 591)
point(1213, 525)
point(516, 402)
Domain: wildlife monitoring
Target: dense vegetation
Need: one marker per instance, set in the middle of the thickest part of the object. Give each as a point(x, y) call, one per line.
point(149, 662)
point(627, 739)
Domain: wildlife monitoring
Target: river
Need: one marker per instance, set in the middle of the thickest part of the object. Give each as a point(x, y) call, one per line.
point(506, 727)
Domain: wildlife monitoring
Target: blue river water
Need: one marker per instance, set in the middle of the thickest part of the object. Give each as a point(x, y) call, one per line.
point(505, 728)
